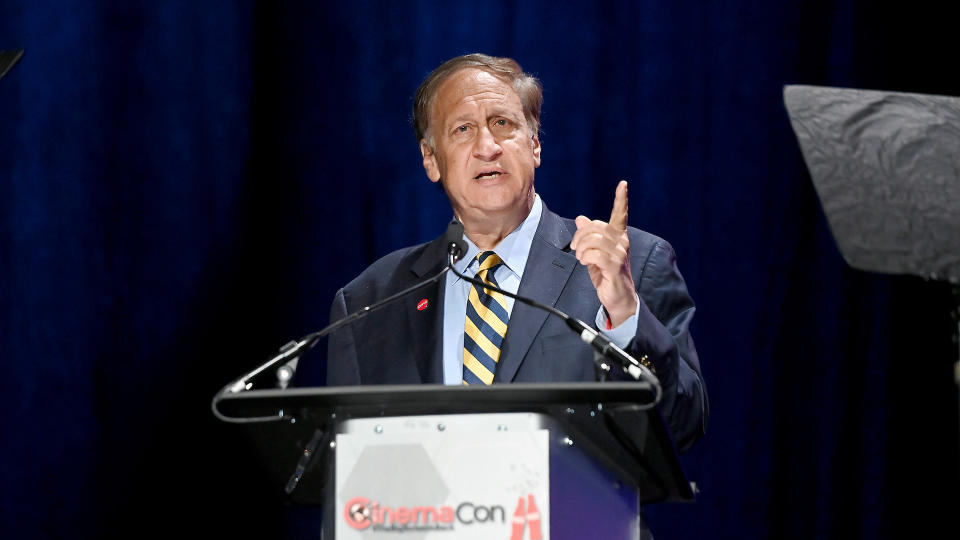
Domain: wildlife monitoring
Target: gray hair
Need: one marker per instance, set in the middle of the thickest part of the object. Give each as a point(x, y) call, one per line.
point(506, 69)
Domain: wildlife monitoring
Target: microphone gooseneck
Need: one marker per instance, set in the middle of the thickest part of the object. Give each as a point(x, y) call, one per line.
point(456, 248)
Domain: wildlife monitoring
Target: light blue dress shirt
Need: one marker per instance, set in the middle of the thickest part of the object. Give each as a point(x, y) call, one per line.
point(513, 251)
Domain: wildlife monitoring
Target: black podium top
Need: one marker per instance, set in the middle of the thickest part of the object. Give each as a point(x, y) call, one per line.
point(396, 400)
point(610, 420)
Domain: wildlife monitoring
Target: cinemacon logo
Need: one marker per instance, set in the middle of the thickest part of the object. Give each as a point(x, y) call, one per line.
point(362, 513)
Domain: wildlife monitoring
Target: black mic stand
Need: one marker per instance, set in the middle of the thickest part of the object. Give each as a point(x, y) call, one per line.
point(291, 352)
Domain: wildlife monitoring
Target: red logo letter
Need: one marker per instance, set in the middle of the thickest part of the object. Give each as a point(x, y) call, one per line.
point(533, 518)
point(357, 513)
point(519, 520)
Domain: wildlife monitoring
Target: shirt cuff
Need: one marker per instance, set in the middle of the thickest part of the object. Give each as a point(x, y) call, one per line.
point(623, 333)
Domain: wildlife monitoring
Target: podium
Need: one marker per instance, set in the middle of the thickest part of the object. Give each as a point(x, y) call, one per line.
point(517, 461)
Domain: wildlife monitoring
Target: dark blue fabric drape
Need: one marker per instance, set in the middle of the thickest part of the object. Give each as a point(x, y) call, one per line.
point(184, 185)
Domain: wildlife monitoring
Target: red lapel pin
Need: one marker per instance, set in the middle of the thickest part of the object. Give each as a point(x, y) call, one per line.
point(422, 304)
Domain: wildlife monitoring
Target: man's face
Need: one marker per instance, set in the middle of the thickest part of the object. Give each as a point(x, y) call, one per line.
point(483, 149)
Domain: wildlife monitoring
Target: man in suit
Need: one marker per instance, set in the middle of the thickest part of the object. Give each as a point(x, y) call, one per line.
point(476, 119)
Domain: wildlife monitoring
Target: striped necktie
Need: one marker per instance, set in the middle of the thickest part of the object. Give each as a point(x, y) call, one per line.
point(486, 325)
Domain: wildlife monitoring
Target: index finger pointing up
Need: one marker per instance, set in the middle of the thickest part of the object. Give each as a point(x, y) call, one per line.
point(618, 218)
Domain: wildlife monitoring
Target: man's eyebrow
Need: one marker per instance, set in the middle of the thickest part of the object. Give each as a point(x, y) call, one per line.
point(509, 114)
point(461, 118)
point(494, 112)
point(503, 111)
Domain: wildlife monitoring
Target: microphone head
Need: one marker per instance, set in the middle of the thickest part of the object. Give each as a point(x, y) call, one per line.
point(454, 239)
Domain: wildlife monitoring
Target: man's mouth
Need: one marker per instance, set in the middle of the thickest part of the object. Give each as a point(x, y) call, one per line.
point(487, 175)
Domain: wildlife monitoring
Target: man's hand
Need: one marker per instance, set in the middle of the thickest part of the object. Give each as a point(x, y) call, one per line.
point(605, 249)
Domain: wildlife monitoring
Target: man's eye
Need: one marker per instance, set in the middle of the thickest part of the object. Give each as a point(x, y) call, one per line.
point(502, 127)
point(463, 129)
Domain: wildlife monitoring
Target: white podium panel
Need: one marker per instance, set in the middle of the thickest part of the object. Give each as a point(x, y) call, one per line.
point(472, 476)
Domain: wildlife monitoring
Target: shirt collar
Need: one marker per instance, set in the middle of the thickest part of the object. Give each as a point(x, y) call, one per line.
point(512, 250)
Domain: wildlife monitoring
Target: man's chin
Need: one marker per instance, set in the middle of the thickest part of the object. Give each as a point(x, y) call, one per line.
point(510, 210)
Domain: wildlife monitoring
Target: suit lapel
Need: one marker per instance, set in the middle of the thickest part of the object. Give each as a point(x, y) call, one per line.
point(549, 267)
point(425, 326)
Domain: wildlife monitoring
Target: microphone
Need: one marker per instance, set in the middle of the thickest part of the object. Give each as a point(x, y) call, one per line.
point(290, 353)
point(602, 346)
point(454, 238)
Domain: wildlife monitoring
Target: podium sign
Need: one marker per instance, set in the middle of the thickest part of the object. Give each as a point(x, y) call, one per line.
point(471, 476)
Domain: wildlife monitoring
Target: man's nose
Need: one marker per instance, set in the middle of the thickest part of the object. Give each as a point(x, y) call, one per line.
point(486, 146)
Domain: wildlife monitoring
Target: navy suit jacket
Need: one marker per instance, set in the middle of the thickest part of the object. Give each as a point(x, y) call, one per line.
point(402, 343)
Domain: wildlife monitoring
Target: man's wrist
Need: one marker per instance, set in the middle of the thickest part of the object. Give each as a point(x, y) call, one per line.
point(617, 315)
point(619, 334)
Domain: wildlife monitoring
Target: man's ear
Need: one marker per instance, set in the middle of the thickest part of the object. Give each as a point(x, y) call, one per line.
point(430, 161)
point(536, 150)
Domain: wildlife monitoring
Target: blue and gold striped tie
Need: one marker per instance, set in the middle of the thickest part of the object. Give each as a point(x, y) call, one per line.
point(486, 325)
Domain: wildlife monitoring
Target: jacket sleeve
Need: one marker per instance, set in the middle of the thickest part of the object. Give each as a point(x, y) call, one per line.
point(663, 336)
point(342, 366)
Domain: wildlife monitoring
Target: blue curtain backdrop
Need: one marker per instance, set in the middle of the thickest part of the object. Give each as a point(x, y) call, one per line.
point(184, 186)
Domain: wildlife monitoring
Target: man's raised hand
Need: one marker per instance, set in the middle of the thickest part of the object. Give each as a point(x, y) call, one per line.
point(605, 248)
